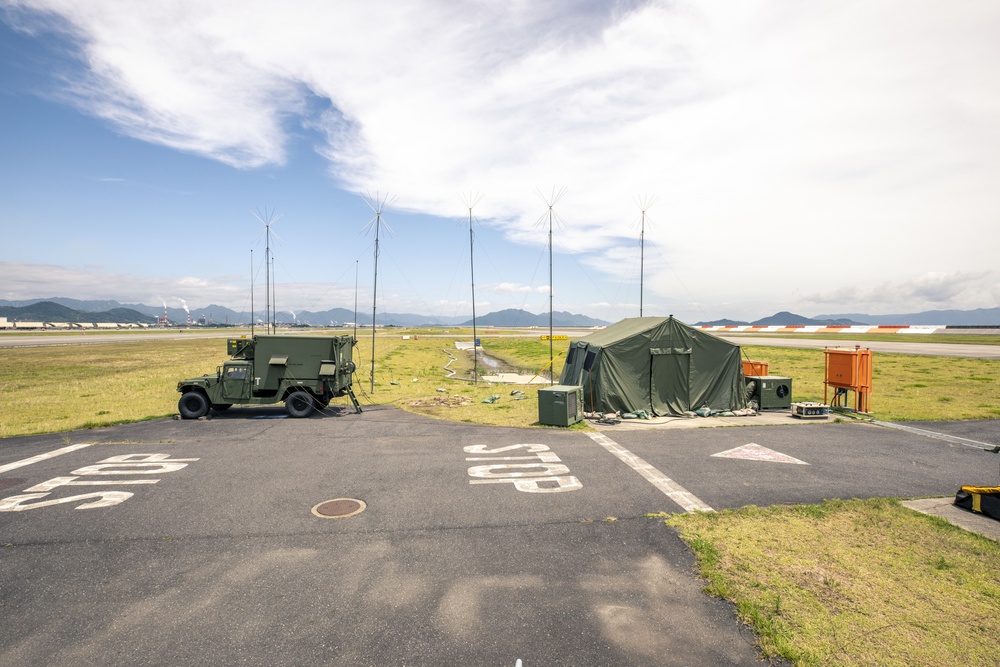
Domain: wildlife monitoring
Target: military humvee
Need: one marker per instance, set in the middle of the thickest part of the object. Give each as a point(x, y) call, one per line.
point(304, 372)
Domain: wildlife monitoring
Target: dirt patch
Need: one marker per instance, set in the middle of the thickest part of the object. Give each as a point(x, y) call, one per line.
point(441, 402)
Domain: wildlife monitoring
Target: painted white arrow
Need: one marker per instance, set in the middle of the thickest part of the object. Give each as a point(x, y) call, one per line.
point(754, 452)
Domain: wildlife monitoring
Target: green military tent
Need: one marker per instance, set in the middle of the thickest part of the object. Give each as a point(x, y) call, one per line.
point(657, 364)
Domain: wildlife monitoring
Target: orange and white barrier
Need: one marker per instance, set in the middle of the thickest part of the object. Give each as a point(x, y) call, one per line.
point(822, 329)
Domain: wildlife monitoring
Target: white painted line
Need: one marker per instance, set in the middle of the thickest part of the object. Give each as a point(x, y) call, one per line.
point(43, 457)
point(56, 482)
point(669, 487)
point(938, 436)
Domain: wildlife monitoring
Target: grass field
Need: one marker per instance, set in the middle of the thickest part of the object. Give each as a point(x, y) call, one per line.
point(905, 387)
point(61, 388)
point(410, 373)
point(46, 389)
point(857, 582)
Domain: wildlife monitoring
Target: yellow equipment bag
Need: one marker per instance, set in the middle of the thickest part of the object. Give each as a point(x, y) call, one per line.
point(983, 500)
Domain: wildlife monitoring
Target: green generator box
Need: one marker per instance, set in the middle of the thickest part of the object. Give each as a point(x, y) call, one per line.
point(560, 405)
point(771, 392)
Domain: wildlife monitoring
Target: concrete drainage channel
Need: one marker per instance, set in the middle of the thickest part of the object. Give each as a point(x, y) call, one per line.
point(339, 508)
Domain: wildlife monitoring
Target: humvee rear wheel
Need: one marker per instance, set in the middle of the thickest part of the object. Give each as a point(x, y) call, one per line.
point(299, 404)
point(193, 405)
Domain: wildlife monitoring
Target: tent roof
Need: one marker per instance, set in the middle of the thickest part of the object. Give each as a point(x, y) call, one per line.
point(658, 364)
point(624, 329)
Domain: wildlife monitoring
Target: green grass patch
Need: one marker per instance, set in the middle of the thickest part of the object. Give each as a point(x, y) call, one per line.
point(905, 387)
point(61, 388)
point(46, 389)
point(409, 373)
point(859, 582)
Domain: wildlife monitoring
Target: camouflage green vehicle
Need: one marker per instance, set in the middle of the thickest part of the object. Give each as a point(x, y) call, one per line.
point(303, 372)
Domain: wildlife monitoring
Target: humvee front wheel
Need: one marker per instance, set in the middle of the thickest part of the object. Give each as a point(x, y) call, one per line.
point(193, 405)
point(299, 404)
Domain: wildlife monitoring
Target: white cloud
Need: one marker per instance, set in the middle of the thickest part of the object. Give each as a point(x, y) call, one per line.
point(928, 291)
point(821, 143)
point(31, 281)
point(515, 288)
point(23, 281)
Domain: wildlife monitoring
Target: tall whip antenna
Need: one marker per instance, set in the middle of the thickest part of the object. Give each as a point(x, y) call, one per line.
point(470, 201)
point(378, 205)
point(267, 218)
point(550, 202)
point(251, 294)
point(645, 203)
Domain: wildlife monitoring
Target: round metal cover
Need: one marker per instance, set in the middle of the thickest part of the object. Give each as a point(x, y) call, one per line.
point(339, 508)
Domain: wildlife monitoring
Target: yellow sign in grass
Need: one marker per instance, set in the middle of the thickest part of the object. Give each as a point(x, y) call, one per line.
point(556, 337)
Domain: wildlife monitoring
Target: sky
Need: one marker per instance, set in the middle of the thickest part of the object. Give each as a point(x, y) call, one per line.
point(703, 159)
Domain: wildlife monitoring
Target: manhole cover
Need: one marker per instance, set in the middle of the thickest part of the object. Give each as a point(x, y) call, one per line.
point(339, 508)
point(11, 482)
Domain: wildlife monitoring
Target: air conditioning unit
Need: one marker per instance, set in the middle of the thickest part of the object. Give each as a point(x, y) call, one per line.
point(770, 392)
point(560, 405)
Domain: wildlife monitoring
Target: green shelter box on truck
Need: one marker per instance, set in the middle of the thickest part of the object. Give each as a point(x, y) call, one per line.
point(303, 372)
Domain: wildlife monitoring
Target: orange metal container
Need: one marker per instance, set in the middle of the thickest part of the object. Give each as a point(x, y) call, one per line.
point(842, 369)
point(849, 370)
point(754, 367)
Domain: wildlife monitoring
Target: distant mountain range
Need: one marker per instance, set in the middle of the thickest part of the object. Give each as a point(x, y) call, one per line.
point(784, 318)
point(61, 309)
point(512, 317)
point(977, 317)
point(48, 311)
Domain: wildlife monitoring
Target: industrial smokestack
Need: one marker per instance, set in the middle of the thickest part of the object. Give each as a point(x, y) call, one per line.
point(186, 310)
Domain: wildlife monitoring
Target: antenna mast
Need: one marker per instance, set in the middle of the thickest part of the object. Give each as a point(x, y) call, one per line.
point(267, 219)
point(470, 202)
point(378, 206)
point(550, 203)
point(642, 259)
point(645, 204)
point(355, 301)
point(251, 293)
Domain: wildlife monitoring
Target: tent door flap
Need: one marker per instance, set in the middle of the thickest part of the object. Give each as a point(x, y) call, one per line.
point(670, 380)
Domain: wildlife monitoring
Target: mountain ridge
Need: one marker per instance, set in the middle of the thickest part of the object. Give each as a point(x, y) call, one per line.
point(49, 311)
point(77, 310)
point(217, 314)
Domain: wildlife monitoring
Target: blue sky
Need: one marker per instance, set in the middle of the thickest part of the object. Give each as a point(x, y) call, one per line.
point(823, 157)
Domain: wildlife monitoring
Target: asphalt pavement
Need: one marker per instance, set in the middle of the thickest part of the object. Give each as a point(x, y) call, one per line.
point(196, 542)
